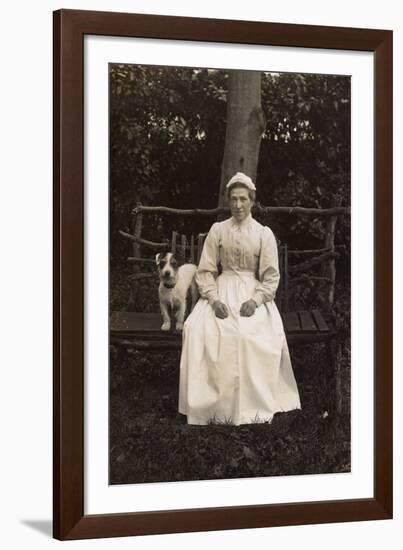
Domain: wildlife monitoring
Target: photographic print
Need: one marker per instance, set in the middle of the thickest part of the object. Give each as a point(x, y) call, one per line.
point(229, 277)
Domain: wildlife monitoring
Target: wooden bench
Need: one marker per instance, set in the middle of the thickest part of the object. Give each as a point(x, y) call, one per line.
point(133, 330)
point(143, 330)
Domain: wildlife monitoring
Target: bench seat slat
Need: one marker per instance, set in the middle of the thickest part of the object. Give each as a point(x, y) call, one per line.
point(307, 322)
point(147, 326)
point(131, 321)
point(320, 321)
point(291, 322)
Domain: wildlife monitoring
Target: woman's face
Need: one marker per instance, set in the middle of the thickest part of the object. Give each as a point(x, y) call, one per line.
point(240, 203)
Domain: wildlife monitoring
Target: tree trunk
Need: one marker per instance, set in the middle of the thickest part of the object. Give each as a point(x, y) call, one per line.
point(245, 126)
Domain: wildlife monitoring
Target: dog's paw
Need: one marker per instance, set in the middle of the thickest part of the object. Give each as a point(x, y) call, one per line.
point(179, 326)
point(166, 326)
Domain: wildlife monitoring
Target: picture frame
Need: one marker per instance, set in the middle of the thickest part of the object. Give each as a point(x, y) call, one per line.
point(70, 28)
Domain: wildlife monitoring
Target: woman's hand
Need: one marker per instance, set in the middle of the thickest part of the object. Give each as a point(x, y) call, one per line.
point(220, 309)
point(248, 308)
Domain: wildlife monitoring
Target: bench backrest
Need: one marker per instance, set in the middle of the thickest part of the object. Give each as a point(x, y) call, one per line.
point(294, 275)
point(189, 249)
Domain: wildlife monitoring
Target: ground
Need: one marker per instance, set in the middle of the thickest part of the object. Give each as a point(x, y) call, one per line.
point(151, 442)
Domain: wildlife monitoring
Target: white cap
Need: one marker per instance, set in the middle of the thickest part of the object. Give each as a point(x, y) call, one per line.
point(241, 178)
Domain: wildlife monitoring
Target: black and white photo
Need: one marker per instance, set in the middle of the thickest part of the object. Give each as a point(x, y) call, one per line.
point(229, 277)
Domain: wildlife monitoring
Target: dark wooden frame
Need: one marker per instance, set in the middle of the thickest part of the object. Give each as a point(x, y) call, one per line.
point(70, 27)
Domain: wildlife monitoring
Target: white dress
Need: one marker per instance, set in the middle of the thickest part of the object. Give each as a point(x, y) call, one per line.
point(236, 370)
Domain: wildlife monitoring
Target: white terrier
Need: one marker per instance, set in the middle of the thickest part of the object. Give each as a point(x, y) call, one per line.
point(174, 284)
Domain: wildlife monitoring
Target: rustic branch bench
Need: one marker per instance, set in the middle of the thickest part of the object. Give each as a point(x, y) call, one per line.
point(133, 330)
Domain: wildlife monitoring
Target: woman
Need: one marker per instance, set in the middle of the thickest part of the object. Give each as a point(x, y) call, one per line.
point(235, 366)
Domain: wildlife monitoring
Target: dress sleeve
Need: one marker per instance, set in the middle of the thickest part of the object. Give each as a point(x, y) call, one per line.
point(269, 275)
point(208, 266)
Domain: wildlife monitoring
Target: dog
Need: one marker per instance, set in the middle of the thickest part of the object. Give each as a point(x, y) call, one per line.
point(175, 282)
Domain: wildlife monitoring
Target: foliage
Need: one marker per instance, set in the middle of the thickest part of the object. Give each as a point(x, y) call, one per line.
point(305, 152)
point(167, 132)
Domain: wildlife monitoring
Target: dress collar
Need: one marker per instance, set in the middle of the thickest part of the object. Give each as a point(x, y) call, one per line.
point(244, 223)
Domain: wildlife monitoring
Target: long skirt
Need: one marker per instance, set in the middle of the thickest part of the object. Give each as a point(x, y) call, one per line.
point(235, 370)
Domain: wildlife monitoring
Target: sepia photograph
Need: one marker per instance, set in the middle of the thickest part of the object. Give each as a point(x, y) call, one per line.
point(229, 274)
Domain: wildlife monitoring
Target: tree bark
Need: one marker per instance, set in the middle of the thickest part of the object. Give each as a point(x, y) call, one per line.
point(245, 126)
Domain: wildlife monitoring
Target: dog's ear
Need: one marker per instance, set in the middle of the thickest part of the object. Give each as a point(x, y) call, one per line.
point(157, 258)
